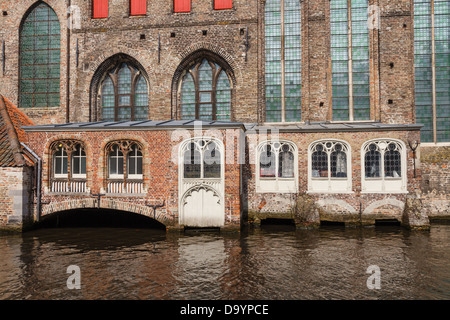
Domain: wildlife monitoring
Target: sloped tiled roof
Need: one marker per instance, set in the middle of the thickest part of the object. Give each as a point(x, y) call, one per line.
point(11, 134)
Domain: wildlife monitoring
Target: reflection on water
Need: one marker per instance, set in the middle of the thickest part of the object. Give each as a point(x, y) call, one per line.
point(270, 263)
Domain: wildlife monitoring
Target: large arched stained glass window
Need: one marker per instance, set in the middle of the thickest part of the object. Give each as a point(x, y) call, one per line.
point(283, 60)
point(40, 37)
point(124, 94)
point(206, 92)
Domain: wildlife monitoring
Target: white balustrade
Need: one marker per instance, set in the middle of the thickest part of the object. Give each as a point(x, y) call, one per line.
point(68, 186)
point(129, 187)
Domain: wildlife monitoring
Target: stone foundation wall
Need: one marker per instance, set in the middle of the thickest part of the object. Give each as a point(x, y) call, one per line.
point(16, 210)
point(435, 167)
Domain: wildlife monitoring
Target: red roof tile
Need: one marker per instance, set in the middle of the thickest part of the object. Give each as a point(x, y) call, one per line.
point(11, 134)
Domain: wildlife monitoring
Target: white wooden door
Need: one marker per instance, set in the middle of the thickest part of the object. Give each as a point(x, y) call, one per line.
point(202, 207)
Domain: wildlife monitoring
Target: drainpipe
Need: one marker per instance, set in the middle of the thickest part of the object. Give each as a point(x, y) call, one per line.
point(38, 182)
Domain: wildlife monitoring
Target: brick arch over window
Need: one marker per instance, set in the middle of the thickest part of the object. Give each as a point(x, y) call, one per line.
point(195, 59)
point(113, 65)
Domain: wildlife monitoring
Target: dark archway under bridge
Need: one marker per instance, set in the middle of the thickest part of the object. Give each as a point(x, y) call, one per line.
point(98, 218)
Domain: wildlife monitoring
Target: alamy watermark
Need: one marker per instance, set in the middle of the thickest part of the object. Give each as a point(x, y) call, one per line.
point(374, 281)
point(74, 280)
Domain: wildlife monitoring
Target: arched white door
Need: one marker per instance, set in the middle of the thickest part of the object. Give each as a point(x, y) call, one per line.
point(201, 186)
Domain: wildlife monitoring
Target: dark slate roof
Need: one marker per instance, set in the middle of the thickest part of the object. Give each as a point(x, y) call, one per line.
point(11, 134)
point(133, 125)
point(325, 126)
point(190, 124)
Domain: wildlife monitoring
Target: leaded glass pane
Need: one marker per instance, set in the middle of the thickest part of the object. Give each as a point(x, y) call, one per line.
point(211, 159)
point(192, 162)
point(267, 162)
point(40, 58)
point(319, 163)
point(423, 67)
point(392, 162)
point(442, 58)
point(273, 12)
point(372, 162)
point(108, 100)
point(338, 163)
point(285, 162)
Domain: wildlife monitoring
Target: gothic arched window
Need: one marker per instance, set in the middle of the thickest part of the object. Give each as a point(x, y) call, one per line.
point(68, 166)
point(205, 92)
point(277, 162)
point(124, 94)
point(384, 166)
point(329, 166)
point(39, 50)
point(202, 159)
point(124, 167)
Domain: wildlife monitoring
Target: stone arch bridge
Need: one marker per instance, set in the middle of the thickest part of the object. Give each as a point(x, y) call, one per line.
point(162, 216)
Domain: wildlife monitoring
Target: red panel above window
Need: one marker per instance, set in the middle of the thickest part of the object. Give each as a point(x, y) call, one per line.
point(182, 5)
point(138, 7)
point(223, 4)
point(99, 9)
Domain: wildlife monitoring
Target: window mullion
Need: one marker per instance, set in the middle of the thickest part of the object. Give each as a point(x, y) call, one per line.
point(283, 66)
point(433, 73)
point(350, 61)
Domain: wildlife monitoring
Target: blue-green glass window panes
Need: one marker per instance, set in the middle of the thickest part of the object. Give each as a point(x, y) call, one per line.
point(39, 49)
point(187, 97)
point(424, 89)
point(205, 92)
point(340, 59)
point(292, 60)
point(273, 49)
point(278, 96)
point(141, 99)
point(223, 97)
point(423, 67)
point(108, 100)
point(125, 97)
point(442, 60)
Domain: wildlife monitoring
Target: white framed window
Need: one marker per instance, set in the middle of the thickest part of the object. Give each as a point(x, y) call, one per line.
point(115, 163)
point(60, 163)
point(383, 166)
point(116, 160)
point(329, 166)
point(202, 160)
point(78, 166)
point(134, 163)
point(277, 167)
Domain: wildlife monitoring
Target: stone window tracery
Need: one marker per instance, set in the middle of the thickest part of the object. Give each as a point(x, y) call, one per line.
point(124, 94)
point(277, 167)
point(205, 92)
point(68, 166)
point(384, 166)
point(124, 167)
point(202, 160)
point(329, 166)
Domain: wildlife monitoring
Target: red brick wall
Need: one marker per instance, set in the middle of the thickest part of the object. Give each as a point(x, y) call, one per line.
point(160, 172)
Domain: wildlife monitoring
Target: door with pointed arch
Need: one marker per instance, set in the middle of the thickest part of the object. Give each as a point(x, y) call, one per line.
point(202, 183)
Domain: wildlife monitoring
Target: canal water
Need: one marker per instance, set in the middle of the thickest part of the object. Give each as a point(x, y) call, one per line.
point(274, 262)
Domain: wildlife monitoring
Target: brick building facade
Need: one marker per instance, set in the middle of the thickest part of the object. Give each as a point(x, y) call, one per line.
point(340, 84)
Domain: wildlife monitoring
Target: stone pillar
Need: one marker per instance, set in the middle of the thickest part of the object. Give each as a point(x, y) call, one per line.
point(414, 215)
point(305, 212)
